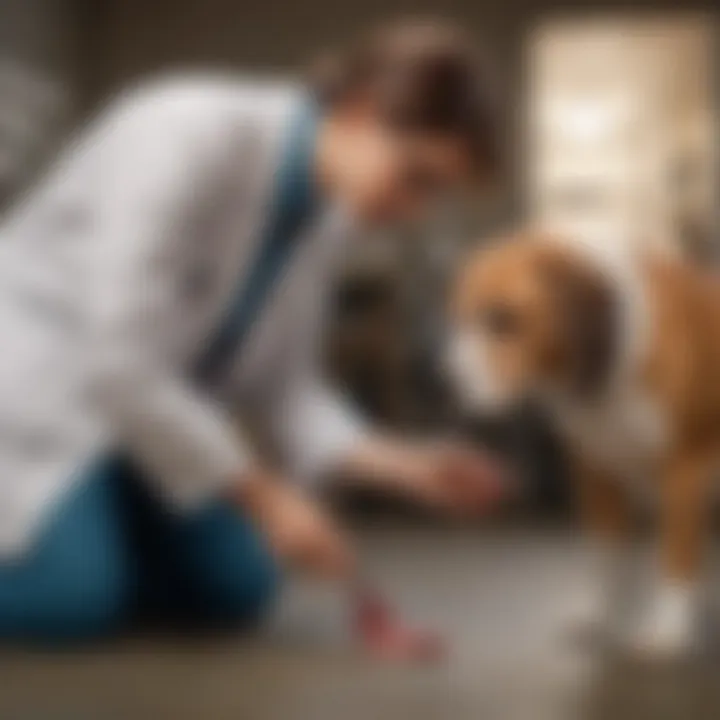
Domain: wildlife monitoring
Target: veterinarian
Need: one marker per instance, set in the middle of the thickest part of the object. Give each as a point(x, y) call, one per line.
point(162, 291)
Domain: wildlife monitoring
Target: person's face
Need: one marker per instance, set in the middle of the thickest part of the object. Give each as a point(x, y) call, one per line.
point(389, 176)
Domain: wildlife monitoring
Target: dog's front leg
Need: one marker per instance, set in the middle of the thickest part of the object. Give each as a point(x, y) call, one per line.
point(601, 599)
point(669, 627)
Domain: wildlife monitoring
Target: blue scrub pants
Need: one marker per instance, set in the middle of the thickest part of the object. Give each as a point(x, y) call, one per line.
point(110, 551)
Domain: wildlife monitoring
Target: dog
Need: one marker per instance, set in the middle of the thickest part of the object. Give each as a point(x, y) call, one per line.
point(623, 351)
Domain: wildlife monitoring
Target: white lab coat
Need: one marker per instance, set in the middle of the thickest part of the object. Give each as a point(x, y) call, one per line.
point(114, 273)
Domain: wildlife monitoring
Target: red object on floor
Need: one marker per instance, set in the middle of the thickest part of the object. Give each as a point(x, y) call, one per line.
point(384, 636)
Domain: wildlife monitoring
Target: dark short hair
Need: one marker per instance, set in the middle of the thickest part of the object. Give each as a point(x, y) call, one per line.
point(422, 76)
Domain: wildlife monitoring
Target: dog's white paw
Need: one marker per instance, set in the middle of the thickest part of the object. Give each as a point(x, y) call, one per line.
point(669, 629)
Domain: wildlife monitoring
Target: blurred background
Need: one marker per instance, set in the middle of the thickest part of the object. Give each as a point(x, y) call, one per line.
point(610, 117)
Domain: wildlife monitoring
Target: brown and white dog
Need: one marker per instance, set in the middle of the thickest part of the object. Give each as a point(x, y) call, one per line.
point(625, 354)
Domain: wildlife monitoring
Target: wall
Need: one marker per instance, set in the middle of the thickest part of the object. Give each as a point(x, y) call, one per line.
point(38, 56)
point(623, 132)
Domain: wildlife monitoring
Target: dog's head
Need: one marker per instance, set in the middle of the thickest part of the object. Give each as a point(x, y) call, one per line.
point(530, 315)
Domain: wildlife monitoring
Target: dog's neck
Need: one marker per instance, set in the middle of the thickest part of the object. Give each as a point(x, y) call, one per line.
point(623, 271)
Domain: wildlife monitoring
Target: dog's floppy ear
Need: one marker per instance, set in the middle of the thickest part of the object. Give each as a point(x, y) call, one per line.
point(587, 313)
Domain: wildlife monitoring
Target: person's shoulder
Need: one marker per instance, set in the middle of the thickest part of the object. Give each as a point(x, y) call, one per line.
point(203, 115)
point(201, 96)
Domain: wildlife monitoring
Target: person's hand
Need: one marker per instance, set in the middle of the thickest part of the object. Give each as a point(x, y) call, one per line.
point(456, 478)
point(299, 531)
point(446, 476)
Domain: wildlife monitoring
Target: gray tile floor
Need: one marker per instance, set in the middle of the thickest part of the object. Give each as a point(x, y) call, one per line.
point(497, 594)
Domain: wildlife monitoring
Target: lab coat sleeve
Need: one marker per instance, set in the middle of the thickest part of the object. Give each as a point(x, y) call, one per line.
point(318, 424)
point(319, 428)
point(150, 181)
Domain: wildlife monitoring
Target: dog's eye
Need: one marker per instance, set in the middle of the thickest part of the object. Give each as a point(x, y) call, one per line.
point(501, 321)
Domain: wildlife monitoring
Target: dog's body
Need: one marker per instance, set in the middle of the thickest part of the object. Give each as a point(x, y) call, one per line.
point(625, 355)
